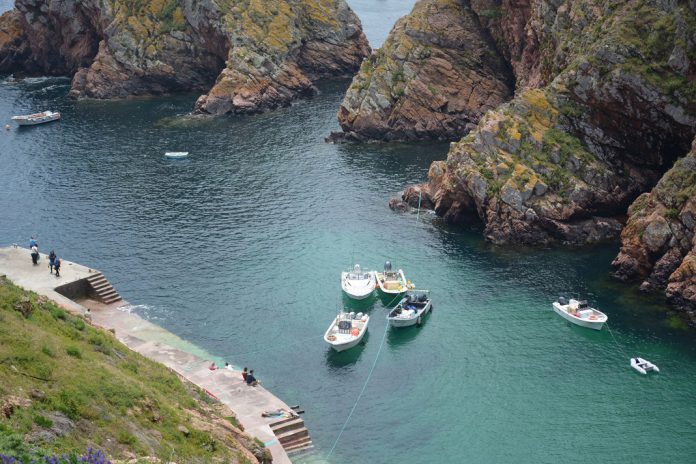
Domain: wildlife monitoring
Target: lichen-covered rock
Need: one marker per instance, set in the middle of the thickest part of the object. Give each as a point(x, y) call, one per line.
point(619, 108)
point(255, 54)
point(437, 73)
point(658, 244)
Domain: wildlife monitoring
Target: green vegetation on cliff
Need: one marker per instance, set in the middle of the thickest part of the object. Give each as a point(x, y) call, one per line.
point(65, 386)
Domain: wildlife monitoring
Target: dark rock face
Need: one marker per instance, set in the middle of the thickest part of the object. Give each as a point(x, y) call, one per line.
point(256, 55)
point(437, 74)
point(606, 102)
point(658, 244)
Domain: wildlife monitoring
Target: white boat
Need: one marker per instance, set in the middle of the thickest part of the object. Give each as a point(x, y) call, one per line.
point(579, 313)
point(643, 366)
point(176, 154)
point(358, 284)
point(37, 118)
point(411, 309)
point(392, 282)
point(346, 330)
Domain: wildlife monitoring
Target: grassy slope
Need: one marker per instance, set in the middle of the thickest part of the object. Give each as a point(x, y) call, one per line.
point(119, 401)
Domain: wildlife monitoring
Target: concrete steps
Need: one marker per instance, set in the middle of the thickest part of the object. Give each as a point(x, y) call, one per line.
point(292, 434)
point(105, 292)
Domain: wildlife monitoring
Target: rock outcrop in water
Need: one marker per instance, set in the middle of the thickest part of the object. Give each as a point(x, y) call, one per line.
point(437, 73)
point(658, 244)
point(605, 103)
point(255, 54)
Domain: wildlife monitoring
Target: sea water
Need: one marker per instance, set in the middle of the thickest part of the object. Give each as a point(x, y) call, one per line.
point(239, 248)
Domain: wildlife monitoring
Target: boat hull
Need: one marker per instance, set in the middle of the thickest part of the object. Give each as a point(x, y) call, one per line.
point(358, 292)
point(345, 341)
point(25, 121)
point(176, 154)
point(347, 345)
point(356, 296)
point(403, 322)
point(397, 291)
point(595, 325)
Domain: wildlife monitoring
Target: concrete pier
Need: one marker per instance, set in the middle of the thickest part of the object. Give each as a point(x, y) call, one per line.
point(72, 292)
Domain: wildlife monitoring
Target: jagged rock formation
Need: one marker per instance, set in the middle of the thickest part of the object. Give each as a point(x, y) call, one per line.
point(606, 102)
point(437, 72)
point(658, 244)
point(255, 54)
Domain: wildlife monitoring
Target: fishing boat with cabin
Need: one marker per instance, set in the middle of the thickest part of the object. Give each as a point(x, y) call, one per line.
point(358, 284)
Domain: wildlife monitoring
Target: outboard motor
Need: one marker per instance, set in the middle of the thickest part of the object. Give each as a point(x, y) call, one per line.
point(356, 269)
point(387, 266)
point(422, 297)
point(562, 301)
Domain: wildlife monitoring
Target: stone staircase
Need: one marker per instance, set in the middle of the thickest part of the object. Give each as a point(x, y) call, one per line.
point(105, 292)
point(292, 434)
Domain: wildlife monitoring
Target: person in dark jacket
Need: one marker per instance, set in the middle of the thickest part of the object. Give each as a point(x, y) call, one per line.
point(56, 266)
point(51, 260)
point(251, 380)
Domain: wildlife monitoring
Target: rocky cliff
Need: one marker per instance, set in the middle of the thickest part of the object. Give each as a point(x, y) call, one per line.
point(605, 103)
point(658, 244)
point(255, 54)
point(437, 72)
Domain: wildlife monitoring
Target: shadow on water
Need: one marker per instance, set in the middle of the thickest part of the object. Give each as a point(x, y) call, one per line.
point(368, 304)
point(401, 337)
point(386, 160)
point(388, 300)
point(341, 359)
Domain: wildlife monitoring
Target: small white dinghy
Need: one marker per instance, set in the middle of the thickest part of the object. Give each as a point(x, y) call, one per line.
point(392, 282)
point(346, 330)
point(579, 313)
point(643, 366)
point(411, 309)
point(36, 118)
point(176, 154)
point(358, 284)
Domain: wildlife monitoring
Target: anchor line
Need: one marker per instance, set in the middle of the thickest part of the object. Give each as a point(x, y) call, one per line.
point(615, 340)
point(362, 391)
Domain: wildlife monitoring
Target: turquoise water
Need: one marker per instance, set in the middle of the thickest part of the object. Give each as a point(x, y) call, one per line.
point(239, 249)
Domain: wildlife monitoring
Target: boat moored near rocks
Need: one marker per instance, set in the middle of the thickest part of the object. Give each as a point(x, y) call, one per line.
point(36, 118)
point(579, 313)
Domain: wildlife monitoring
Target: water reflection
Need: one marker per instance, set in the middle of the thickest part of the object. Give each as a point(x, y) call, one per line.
point(341, 359)
point(365, 305)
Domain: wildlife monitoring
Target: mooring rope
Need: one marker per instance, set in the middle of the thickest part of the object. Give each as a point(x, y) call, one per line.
point(362, 391)
point(616, 341)
point(367, 380)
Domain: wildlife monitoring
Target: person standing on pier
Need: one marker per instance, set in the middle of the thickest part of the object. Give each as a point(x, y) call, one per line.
point(51, 260)
point(33, 243)
point(35, 255)
point(56, 266)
